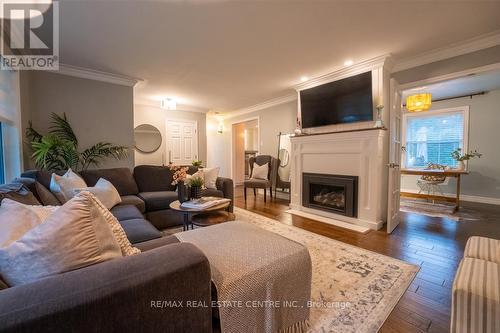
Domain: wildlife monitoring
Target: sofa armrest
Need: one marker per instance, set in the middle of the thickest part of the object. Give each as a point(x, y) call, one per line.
point(226, 186)
point(147, 292)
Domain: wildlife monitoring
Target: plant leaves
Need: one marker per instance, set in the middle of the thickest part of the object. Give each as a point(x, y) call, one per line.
point(61, 128)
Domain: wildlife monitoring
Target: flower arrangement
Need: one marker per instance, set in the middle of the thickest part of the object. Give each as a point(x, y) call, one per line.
point(180, 173)
point(457, 155)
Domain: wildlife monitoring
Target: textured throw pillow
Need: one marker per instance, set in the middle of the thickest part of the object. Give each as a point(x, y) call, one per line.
point(74, 236)
point(46, 197)
point(104, 191)
point(63, 186)
point(15, 220)
point(210, 176)
point(118, 232)
point(260, 171)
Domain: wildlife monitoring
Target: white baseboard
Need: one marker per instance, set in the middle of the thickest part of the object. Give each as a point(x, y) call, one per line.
point(465, 197)
point(337, 223)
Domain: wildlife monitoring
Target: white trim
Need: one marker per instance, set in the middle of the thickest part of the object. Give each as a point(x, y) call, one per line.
point(334, 222)
point(457, 49)
point(231, 146)
point(91, 74)
point(464, 109)
point(264, 105)
point(465, 197)
point(343, 72)
point(447, 77)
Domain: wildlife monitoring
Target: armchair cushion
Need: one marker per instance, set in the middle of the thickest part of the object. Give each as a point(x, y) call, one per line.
point(257, 183)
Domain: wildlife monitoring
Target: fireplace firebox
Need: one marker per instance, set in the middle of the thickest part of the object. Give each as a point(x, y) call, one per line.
point(333, 193)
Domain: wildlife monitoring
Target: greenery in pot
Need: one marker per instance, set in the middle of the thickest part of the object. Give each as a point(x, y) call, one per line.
point(195, 184)
point(457, 156)
point(197, 163)
point(58, 149)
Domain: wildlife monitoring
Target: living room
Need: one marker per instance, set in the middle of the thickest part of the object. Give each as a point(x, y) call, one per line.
point(218, 167)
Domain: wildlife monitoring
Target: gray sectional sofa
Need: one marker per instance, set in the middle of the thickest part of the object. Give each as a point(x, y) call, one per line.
point(129, 294)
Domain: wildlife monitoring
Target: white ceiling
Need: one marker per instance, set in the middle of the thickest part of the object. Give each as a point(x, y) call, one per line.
point(227, 55)
point(467, 85)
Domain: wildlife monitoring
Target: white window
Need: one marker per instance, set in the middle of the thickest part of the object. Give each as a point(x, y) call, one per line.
point(431, 137)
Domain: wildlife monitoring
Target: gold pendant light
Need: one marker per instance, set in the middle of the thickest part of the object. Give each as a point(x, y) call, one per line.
point(419, 102)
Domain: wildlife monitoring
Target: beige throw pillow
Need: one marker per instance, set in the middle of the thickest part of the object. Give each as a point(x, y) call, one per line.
point(74, 236)
point(260, 171)
point(15, 220)
point(104, 191)
point(63, 186)
point(210, 176)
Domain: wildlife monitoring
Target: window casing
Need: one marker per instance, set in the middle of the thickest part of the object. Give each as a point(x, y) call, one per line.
point(430, 137)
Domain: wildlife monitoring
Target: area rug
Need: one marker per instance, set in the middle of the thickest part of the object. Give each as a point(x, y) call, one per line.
point(443, 210)
point(353, 290)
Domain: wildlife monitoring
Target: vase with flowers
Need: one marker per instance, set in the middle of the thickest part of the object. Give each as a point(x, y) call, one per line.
point(458, 156)
point(178, 177)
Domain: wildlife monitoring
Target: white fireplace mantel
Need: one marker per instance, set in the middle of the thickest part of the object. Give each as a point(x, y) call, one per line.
point(356, 153)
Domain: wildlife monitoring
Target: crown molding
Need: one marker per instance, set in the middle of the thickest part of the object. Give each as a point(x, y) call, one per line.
point(457, 49)
point(91, 74)
point(180, 107)
point(343, 72)
point(264, 105)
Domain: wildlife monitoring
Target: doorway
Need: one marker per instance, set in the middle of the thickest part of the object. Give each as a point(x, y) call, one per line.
point(182, 141)
point(245, 144)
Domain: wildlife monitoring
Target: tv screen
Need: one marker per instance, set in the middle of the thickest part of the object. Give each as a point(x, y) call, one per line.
point(344, 101)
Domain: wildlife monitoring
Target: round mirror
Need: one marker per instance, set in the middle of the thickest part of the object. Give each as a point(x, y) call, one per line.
point(147, 138)
point(284, 157)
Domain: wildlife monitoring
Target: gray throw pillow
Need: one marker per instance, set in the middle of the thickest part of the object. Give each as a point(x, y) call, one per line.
point(46, 197)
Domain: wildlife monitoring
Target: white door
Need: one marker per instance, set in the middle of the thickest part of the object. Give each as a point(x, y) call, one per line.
point(182, 142)
point(394, 157)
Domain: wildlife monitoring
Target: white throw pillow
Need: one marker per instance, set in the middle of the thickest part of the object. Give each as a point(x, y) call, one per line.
point(63, 186)
point(104, 191)
point(74, 236)
point(260, 171)
point(16, 219)
point(210, 176)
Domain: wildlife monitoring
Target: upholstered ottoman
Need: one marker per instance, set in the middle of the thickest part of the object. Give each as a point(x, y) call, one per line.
point(476, 297)
point(263, 280)
point(483, 248)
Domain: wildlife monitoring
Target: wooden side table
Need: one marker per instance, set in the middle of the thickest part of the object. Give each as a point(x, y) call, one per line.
point(212, 218)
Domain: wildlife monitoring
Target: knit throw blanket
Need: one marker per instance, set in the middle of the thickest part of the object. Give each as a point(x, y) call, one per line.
point(263, 280)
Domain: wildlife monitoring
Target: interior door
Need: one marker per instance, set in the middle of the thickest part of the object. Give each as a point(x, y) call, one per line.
point(182, 142)
point(394, 187)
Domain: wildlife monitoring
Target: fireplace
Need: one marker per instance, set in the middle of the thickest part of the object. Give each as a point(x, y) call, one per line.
point(333, 193)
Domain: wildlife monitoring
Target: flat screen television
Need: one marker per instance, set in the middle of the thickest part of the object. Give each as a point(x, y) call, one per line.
point(344, 101)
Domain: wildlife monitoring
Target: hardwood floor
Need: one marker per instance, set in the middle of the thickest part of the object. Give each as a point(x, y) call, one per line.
point(435, 244)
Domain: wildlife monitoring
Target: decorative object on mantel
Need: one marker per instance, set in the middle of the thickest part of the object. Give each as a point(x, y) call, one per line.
point(58, 150)
point(457, 156)
point(298, 130)
point(419, 102)
point(379, 123)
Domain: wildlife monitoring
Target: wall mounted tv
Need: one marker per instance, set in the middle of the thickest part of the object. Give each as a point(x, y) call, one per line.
point(344, 101)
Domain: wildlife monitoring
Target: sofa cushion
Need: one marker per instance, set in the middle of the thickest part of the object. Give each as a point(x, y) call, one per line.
point(17, 192)
point(155, 243)
point(152, 178)
point(126, 212)
point(158, 200)
point(210, 192)
point(121, 178)
point(133, 200)
point(139, 230)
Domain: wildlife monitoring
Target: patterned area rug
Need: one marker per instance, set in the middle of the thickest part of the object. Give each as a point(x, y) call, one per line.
point(444, 210)
point(353, 290)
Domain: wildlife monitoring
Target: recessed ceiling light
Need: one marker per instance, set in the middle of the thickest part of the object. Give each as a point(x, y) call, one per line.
point(304, 78)
point(348, 62)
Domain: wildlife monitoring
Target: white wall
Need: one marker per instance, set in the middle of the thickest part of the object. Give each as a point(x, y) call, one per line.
point(97, 111)
point(484, 135)
point(10, 117)
point(146, 114)
point(271, 121)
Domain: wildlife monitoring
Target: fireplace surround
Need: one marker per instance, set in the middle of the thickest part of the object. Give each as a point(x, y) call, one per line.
point(333, 193)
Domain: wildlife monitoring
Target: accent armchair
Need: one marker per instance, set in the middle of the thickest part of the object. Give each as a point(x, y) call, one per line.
point(262, 183)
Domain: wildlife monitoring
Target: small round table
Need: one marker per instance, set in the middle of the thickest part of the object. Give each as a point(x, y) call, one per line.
point(212, 218)
point(190, 212)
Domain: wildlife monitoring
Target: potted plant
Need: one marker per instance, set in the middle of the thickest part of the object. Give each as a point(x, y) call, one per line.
point(195, 184)
point(457, 156)
point(198, 163)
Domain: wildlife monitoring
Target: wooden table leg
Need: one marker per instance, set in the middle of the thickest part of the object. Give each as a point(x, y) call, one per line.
point(457, 203)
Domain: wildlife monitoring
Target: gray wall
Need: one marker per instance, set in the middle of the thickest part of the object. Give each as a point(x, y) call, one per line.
point(97, 111)
point(484, 135)
point(146, 114)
